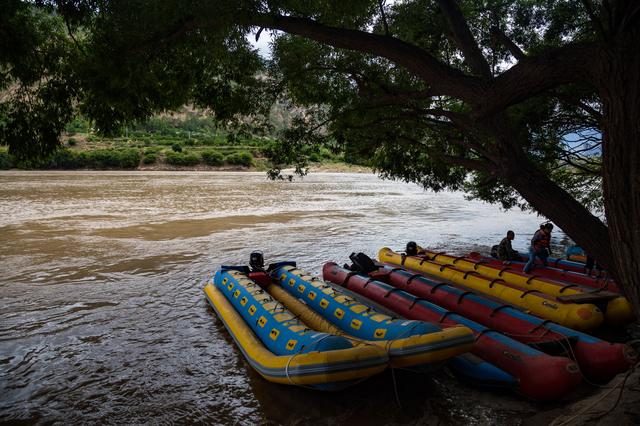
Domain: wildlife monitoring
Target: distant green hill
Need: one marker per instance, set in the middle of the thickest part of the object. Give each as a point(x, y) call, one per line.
point(186, 140)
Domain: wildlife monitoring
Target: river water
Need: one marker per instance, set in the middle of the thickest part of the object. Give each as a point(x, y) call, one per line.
point(103, 318)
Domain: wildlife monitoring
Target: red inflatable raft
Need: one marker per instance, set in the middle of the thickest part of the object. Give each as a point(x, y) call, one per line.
point(540, 376)
point(598, 360)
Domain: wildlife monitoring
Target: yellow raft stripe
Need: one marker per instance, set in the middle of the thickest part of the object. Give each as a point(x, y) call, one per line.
point(618, 310)
point(407, 352)
point(313, 368)
point(579, 317)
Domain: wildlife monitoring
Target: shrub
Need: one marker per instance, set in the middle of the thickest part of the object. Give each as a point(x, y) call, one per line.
point(182, 159)
point(149, 158)
point(176, 147)
point(66, 159)
point(110, 158)
point(78, 125)
point(212, 158)
point(6, 162)
point(242, 158)
point(326, 153)
point(72, 142)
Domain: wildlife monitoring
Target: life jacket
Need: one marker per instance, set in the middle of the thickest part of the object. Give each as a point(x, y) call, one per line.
point(541, 240)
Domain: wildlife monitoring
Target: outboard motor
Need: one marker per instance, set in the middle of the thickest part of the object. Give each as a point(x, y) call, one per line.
point(362, 263)
point(412, 248)
point(256, 261)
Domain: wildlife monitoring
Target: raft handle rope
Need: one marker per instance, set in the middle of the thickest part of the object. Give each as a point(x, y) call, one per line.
point(413, 277)
point(485, 331)
point(503, 270)
point(574, 285)
point(416, 300)
point(433, 258)
point(462, 295)
point(435, 287)
point(494, 281)
point(533, 290)
point(466, 274)
point(348, 277)
point(532, 277)
point(497, 309)
point(444, 316)
point(478, 263)
point(388, 293)
point(541, 325)
point(458, 258)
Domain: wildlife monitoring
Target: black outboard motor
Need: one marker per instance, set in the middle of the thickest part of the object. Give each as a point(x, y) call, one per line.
point(362, 263)
point(256, 261)
point(412, 248)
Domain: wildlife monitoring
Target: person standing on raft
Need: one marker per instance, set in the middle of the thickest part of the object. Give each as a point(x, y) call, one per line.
point(540, 246)
point(505, 251)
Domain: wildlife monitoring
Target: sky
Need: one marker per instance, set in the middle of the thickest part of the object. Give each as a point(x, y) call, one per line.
point(263, 43)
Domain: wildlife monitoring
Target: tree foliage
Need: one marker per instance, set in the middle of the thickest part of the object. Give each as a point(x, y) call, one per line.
point(530, 103)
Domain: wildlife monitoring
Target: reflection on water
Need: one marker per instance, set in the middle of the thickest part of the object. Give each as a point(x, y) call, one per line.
point(104, 319)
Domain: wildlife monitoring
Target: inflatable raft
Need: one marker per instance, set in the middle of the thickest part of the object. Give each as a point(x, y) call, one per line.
point(558, 263)
point(540, 376)
point(409, 343)
point(561, 275)
point(466, 367)
point(598, 360)
point(281, 348)
point(617, 309)
point(579, 317)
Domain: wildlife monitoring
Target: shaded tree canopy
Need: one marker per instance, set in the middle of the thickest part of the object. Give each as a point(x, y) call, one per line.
point(534, 100)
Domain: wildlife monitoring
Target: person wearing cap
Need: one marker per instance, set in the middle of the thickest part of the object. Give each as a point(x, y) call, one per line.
point(540, 246)
point(505, 251)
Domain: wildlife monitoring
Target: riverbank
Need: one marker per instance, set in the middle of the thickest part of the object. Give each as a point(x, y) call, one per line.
point(616, 404)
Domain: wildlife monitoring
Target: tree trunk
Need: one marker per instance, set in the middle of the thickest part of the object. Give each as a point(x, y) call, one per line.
point(547, 197)
point(619, 86)
point(556, 204)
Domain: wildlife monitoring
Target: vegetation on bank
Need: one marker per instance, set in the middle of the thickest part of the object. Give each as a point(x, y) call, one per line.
point(191, 141)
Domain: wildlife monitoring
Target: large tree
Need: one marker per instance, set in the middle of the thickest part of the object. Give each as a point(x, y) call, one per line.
point(538, 99)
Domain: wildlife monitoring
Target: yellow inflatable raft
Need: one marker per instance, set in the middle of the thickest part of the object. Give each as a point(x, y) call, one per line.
point(580, 317)
point(319, 369)
point(617, 312)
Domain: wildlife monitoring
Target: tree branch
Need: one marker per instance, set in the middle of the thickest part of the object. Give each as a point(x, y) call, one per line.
point(535, 74)
point(500, 37)
point(384, 17)
point(463, 37)
point(448, 80)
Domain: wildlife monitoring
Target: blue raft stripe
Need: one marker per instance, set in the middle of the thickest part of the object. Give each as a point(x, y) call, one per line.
point(282, 337)
point(360, 325)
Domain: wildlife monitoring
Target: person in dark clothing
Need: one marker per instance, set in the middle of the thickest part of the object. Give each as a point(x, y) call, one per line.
point(589, 266)
point(540, 246)
point(505, 251)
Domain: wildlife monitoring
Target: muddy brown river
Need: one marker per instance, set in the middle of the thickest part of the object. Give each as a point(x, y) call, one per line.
point(103, 318)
